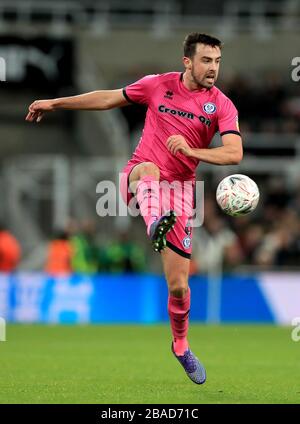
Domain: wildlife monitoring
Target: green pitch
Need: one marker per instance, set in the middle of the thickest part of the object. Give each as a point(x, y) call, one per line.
point(134, 364)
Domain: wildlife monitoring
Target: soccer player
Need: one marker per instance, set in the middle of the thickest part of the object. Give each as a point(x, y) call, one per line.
point(184, 112)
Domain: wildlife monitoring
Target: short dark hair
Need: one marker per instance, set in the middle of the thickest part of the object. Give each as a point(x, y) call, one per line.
point(191, 40)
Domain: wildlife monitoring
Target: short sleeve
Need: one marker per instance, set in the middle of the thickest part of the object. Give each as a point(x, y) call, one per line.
point(228, 121)
point(141, 90)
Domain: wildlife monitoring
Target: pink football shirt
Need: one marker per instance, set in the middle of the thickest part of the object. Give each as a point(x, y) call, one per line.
point(173, 109)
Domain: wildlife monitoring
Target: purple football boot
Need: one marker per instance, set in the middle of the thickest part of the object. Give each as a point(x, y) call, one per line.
point(159, 230)
point(192, 366)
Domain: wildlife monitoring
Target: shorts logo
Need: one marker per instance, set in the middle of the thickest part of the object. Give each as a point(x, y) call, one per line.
point(209, 108)
point(188, 227)
point(186, 242)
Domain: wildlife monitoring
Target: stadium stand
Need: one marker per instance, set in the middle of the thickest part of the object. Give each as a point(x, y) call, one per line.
point(64, 158)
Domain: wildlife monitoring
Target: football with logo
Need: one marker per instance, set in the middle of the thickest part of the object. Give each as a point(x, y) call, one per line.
point(237, 195)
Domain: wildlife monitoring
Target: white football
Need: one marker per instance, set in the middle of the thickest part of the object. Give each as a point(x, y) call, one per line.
point(237, 195)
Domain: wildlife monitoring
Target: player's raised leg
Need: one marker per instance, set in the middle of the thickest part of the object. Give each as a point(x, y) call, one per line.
point(144, 183)
point(176, 268)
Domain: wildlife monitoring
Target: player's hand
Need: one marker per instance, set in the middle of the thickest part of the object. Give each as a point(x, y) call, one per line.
point(177, 143)
point(37, 109)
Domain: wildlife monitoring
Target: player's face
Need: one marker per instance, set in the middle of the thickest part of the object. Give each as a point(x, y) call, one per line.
point(204, 66)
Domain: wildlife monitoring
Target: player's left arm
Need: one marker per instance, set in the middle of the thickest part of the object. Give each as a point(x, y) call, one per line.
point(231, 153)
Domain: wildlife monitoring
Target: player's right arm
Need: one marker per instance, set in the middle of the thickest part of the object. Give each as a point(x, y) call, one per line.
point(95, 100)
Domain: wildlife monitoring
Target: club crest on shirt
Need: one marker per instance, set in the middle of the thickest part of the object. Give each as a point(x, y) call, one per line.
point(186, 242)
point(209, 108)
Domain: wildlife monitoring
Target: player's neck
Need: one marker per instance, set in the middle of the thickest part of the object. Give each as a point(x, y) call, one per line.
point(190, 84)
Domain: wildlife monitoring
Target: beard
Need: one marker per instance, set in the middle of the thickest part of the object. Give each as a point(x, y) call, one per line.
point(203, 82)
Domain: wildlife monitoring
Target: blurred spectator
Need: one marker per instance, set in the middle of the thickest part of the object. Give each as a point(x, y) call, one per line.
point(85, 257)
point(10, 250)
point(215, 245)
point(124, 255)
point(281, 244)
point(250, 240)
point(272, 98)
point(270, 237)
point(267, 238)
point(241, 91)
point(277, 194)
point(59, 255)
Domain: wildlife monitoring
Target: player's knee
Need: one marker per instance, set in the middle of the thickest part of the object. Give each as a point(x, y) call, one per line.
point(178, 284)
point(149, 168)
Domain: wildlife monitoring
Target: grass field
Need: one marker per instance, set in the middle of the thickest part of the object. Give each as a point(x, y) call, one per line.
point(134, 364)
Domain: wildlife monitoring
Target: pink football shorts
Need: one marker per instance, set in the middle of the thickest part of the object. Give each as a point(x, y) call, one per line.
point(174, 195)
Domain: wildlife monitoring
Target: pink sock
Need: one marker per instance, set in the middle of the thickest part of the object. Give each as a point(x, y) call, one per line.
point(179, 309)
point(148, 197)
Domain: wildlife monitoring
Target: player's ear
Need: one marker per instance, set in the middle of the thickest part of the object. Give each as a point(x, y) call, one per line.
point(187, 62)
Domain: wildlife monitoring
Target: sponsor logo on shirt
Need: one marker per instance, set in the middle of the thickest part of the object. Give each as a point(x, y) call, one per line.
point(184, 114)
point(209, 108)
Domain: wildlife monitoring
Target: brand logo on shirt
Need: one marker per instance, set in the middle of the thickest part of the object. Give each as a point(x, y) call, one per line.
point(183, 114)
point(169, 94)
point(209, 108)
